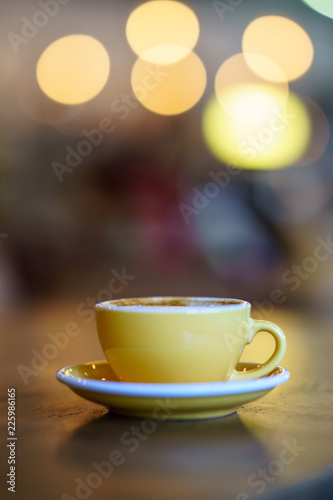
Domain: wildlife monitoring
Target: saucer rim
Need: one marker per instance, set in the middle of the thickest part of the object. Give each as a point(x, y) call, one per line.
point(181, 390)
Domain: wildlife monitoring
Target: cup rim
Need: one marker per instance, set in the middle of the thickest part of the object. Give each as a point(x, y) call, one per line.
point(113, 305)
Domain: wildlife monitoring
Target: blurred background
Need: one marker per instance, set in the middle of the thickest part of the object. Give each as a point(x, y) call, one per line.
point(183, 146)
point(165, 148)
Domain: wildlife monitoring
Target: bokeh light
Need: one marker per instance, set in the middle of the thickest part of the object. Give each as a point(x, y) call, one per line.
point(73, 69)
point(169, 89)
point(162, 32)
point(324, 7)
point(281, 40)
point(245, 95)
point(276, 143)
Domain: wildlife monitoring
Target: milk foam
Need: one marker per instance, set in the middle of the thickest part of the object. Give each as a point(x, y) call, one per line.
point(188, 305)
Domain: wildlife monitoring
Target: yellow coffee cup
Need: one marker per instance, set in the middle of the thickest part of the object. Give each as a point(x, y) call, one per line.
point(181, 339)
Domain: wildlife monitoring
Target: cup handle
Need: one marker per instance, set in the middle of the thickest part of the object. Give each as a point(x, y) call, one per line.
point(273, 361)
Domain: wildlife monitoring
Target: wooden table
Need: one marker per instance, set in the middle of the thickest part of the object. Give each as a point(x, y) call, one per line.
point(280, 446)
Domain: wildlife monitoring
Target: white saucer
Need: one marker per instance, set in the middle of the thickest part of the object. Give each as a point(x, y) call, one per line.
point(96, 382)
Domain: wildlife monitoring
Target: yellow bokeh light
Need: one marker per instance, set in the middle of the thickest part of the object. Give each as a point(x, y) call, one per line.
point(162, 32)
point(73, 69)
point(276, 143)
point(281, 40)
point(169, 89)
point(254, 104)
point(165, 54)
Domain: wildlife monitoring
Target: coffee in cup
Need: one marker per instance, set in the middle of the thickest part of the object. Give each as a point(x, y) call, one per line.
point(181, 339)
